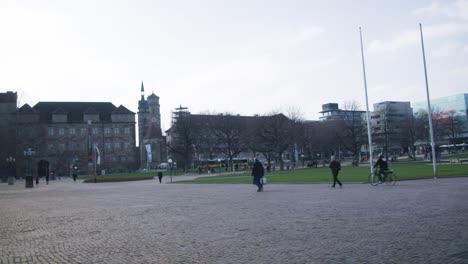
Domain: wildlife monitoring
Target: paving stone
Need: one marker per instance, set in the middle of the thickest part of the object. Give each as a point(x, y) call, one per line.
point(423, 221)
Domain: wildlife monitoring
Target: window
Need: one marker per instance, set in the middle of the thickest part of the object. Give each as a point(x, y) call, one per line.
point(83, 131)
point(106, 131)
point(123, 158)
point(126, 145)
point(95, 130)
point(61, 147)
point(116, 130)
point(71, 131)
point(117, 145)
point(50, 131)
point(50, 147)
point(61, 131)
point(72, 146)
point(127, 130)
point(107, 146)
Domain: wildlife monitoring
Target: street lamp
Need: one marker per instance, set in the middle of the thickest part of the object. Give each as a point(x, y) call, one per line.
point(219, 161)
point(170, 166)
point(302, 157)
point(10, 164)
point(29, 178)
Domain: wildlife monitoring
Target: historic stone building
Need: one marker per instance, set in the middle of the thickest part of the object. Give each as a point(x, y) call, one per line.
point(7, 133)
point(152, 144)
point(59, 132)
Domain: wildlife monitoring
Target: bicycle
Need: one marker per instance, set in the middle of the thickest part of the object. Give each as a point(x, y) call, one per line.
point(389, 178)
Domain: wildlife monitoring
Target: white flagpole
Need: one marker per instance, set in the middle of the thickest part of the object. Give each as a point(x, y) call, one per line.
point(429, 111)
point(369, 136)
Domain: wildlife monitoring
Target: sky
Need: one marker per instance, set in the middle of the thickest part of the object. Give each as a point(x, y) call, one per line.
point(244, 57)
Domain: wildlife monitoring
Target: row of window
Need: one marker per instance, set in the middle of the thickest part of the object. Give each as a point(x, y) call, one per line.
point(83, 131)
point(82, 147)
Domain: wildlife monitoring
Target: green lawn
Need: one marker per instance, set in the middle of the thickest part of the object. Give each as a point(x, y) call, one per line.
point(347, 174)
point(404, 171)
point(456, 156)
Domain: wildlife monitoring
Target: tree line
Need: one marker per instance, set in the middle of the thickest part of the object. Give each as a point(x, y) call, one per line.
point(273, 135)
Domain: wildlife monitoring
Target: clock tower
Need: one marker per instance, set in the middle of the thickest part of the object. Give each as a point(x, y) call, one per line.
point(152, 143)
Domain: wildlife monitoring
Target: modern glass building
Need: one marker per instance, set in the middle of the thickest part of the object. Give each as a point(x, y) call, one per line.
point(457, 103)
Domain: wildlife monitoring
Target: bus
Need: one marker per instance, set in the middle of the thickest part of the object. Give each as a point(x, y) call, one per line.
point(212, 164)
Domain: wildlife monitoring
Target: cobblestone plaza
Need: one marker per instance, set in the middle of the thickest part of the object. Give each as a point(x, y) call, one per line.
point(423, 221)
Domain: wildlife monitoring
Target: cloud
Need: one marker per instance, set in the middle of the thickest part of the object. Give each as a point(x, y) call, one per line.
point(465, 50)
point(446, 49)
point(308, 33)
point(457, 9)
point(410, 38)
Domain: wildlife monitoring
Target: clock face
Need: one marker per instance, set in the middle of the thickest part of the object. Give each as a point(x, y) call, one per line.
point(153, 119)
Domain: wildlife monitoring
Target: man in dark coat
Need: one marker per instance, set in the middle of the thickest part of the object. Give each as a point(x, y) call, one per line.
point(258, 172)
point(335, 167)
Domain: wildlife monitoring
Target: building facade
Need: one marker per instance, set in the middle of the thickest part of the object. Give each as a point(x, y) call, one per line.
point(388, 121)
point(7, 133)
point(331, 111)
point(62, 133)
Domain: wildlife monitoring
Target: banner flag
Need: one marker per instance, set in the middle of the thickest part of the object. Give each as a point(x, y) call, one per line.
point(98, 155)
point(149, 157)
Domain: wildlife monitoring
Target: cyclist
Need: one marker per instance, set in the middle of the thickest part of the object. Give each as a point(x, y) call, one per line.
point(383, 168)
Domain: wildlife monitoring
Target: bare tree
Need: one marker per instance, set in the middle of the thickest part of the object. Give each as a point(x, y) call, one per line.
point(275, 134)
point(206, 143)
point(409, 137)
point(297, 129)
point(352, 135)
point(454, 125)
point(229, 129)
point(321, 138)
point(183, 137)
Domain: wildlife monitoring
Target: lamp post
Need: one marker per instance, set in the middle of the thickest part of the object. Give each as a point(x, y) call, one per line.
point(219, 161)
point(29, 178)
point(170, 166)
point(302, 157)
point(10, 164)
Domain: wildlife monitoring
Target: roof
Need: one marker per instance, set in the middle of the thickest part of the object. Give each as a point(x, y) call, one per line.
point(152, 95)
point(75, 110)
point(8, 97)
point(26, 109)
point(122, 110)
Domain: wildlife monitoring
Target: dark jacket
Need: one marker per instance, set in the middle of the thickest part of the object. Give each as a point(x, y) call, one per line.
point(335, 166)
point(258, 170)
point(381, 163)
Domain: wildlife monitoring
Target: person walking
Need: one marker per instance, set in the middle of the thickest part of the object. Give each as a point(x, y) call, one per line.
point(258, 172)
point(335, 167)
point(160, 175)
point(75, 173)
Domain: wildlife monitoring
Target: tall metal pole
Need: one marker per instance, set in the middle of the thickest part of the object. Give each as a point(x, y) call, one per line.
point(429, 111)
point(369, 136)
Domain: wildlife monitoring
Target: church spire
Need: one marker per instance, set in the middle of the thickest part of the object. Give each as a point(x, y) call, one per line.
point(142, 91)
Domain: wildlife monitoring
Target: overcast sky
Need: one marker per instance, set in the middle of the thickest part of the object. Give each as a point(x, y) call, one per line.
point(244, 56)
